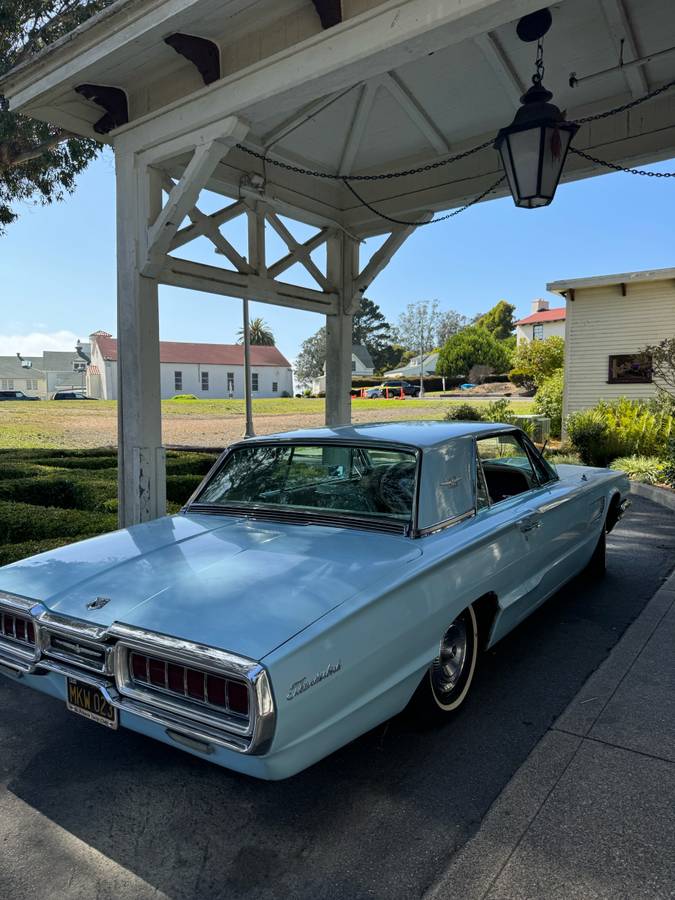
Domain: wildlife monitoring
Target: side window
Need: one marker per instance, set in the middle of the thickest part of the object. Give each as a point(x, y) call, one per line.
point(545, 472)
point(507, 467)
point(482, 496)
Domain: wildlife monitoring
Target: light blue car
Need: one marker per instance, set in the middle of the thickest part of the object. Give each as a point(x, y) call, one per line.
point(316, 583)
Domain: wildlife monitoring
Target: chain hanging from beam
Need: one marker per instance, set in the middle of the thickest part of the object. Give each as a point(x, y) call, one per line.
point(429, 167)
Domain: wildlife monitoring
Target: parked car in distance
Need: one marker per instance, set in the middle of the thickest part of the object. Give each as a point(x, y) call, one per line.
point(15, 395)
point(315, 584)
point(393, 389)
point(71, 395)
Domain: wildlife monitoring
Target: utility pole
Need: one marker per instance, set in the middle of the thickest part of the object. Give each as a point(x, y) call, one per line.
point(247, 374)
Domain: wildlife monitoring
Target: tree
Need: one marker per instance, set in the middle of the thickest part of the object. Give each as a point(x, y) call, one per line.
point(449, 323)
point(259, 332)
point(473, 346)
point(661, 358)
point(534, 361)
point(311, 359)
point(499, 320)
point(371, 330)
point(417, 329)
point(38, 162)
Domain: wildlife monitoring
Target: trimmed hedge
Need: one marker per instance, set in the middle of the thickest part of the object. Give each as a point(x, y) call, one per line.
point(22, 522)
point(12, 552)
point(69, 492)
point(180, 487)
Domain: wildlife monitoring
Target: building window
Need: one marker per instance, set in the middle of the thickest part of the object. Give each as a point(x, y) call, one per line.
point(31, 385)
point(7, 384)
point(205, 381)
point(275, 387)
point(230, 382)
point(178, 381)
point(630, 368)
point(537, 332)
point(353, 365)
point(254, 381)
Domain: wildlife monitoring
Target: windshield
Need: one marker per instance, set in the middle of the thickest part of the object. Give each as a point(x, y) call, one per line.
point(333, 479)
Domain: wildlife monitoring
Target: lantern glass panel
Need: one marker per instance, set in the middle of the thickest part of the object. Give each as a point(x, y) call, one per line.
point(524, 146)
point(556, 143)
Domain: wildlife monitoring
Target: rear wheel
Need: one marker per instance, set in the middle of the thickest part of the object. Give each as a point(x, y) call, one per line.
point(597, 564)
point(447, 683)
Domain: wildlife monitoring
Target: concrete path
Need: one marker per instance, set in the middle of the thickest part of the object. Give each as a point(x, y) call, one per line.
point(591, 812)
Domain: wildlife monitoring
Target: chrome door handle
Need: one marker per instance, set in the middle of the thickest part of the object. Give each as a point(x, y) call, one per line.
point(528, 524)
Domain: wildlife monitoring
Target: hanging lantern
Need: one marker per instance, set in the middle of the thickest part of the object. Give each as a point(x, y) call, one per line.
point(534, 147)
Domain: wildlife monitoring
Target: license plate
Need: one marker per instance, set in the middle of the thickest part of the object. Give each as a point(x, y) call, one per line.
point(88, 701)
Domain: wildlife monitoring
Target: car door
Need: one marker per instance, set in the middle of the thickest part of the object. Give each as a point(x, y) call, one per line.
point(520, 482)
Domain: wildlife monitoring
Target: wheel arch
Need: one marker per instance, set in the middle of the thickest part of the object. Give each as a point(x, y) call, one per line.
point(486, 608)
point(613, 511)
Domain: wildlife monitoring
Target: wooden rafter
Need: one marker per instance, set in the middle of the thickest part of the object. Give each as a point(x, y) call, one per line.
point(415, 111)
point(358, 127)
point(501, 66)
point(620, 29)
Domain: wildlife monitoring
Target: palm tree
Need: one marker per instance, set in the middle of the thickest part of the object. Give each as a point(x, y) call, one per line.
point(260, 334)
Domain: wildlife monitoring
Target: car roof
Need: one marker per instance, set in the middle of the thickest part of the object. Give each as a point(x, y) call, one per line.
point(414, 433)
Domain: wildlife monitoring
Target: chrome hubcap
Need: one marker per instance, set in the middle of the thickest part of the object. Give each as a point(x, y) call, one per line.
point(451, 661)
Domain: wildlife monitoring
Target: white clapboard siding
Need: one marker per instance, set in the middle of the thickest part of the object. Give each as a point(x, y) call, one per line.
point(602, 322)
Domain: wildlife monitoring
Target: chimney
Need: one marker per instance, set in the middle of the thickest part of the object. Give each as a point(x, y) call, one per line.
point(539, 305)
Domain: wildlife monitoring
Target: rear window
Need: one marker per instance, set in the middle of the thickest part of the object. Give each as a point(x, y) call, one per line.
point(360, 481)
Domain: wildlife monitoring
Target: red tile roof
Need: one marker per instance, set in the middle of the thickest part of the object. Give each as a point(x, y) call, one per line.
point(203, 354)
point(545, 315)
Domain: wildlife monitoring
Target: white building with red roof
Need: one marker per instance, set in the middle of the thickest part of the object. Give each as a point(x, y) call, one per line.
point(543, 322)
point(209, 371)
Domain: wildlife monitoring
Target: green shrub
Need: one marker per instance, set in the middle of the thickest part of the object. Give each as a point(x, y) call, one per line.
point(23, 522)
point(647, 469)
point(521, 378)
point(669, 462)
point(179, 488)
point(69, 492)
point(464, 412)
point(184, 397)
point(539, 359)
point(548, 401)
point(185, 463)
point(10, 553)
point(95, 462)
point(621, 428)
point(571, 459)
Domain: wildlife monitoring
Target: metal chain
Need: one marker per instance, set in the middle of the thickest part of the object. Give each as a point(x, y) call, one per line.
point(617, 168)
point(538, 76)
point(449, 215)
point(626, 106)
point(298, 170)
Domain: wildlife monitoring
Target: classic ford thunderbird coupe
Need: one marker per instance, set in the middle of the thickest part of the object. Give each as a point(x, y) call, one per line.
point(315, 584)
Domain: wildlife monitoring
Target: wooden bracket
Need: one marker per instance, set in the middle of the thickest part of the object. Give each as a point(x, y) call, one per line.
point(202, 53)
point(330, 12)
point(112, 99)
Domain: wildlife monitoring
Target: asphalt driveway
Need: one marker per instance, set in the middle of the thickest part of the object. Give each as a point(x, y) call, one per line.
point(87, 813)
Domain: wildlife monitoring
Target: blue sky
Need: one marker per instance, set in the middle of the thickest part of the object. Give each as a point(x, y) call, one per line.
point(57, 263)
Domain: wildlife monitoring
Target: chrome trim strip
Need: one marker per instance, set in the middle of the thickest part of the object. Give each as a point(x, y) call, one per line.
point(447, 523)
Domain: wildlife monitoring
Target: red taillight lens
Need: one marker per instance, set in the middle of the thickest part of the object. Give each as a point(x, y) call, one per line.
point(20, 629)
point(30, 630)
point(139, 667)
point(17, 628)
point(216, 690)
point(157, 670)
point(176, 679)
point(237, 697)
point(195, 684)
point(6, 622)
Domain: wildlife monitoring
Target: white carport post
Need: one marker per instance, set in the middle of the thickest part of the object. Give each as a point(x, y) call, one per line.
point(141, 463)
point(145, 231)
point(342, 271)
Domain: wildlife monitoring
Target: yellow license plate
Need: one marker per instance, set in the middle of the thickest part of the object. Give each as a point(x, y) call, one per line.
point(88, 701)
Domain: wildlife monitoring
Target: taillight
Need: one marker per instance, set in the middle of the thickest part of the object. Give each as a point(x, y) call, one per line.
point(17, 628)
point(192, 684)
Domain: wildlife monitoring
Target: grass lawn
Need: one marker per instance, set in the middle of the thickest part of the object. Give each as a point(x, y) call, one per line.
point(202, 423)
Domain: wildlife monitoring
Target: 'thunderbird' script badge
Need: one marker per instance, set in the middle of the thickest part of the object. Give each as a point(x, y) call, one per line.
point(304, 684)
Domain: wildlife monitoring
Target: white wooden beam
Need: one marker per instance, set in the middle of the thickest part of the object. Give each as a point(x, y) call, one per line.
point(342, 259)
point(201, 226)
point(415, 112)
point(300, 252)
point(382, 256)
point(620, 27)
point(211, 279)
point(501, 66)
point(358, 126)
point(287, 261)
point(299, 117)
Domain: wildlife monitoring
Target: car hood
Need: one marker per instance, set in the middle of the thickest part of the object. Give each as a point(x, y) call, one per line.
point(240, 585)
